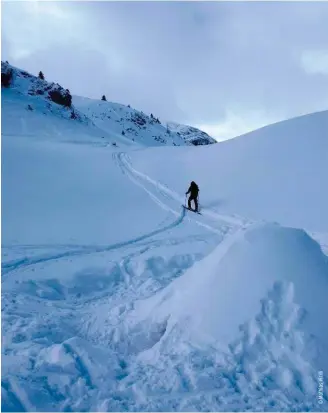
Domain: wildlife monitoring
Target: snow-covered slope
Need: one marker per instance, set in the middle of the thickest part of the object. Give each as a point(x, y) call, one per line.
point(116, 298)
point(107, 123)
point(126, 121)
point(28, 110)
point(48, 97)
point(190, 134)
point(275, 173)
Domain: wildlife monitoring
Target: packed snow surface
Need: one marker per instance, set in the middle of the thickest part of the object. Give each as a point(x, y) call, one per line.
point(116, 298)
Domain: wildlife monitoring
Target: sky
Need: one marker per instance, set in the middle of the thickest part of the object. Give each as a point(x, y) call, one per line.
point(226, 67)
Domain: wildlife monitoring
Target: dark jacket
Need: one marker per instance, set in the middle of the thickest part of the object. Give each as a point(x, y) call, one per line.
point(193, 190)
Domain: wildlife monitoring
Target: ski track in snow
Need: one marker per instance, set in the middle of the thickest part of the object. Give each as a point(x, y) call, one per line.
point(27, 261)
point(93, 328)
point(133, 174)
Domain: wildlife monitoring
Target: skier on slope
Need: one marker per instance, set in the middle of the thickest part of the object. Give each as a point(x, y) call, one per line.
point(193, 190)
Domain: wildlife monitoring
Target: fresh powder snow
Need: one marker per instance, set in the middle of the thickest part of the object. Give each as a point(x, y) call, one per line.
point(116, 298)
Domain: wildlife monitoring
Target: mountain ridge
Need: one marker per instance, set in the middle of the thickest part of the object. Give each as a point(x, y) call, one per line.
point(128, 125)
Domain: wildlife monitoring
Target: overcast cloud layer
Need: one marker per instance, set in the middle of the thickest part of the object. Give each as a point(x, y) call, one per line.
point(226, 67)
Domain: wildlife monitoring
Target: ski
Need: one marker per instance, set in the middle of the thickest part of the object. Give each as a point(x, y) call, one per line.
point(191, 210)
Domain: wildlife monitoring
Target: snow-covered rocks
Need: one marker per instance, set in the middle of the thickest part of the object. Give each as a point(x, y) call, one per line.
point(190, 134)
point(35, 93)
point(24, 82)
point(135, 126)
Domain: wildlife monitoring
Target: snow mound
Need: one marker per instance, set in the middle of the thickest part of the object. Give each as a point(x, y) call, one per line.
point(268, 282)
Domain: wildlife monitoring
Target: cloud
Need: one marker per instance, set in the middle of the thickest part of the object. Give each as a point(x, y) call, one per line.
point(315, 61)
point(202, 63)
point(233, 124)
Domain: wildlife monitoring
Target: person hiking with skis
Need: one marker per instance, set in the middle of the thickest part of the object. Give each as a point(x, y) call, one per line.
point(193, 190)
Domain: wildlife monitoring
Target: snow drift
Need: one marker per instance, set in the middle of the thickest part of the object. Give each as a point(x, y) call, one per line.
point(266, 260)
